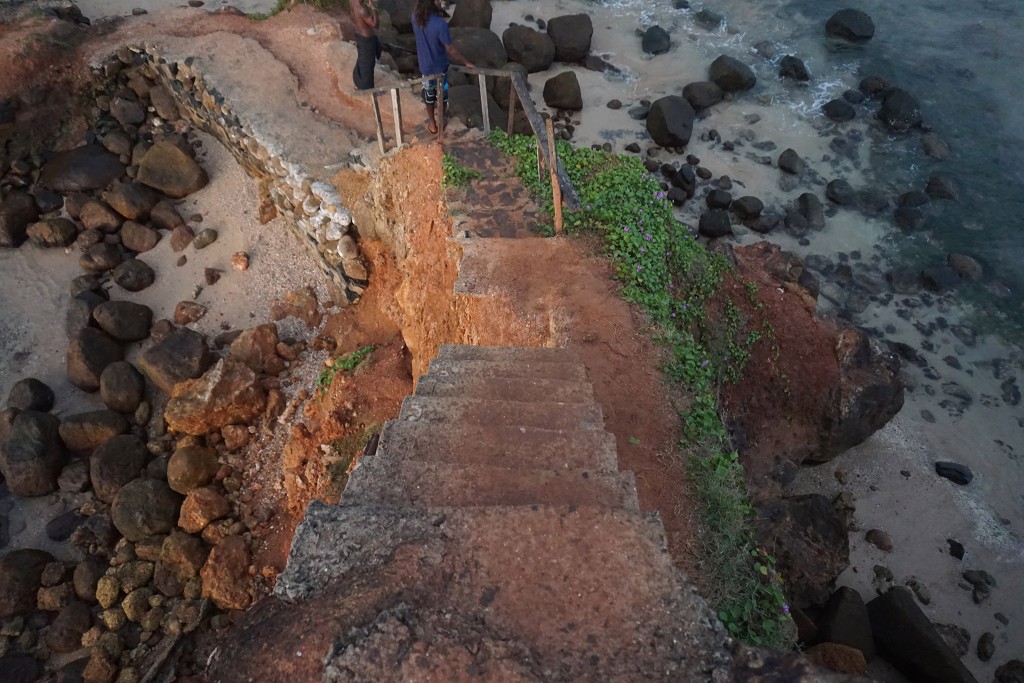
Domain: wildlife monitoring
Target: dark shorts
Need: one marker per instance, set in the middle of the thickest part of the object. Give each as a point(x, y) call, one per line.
point(430, 91)
point(368, 49)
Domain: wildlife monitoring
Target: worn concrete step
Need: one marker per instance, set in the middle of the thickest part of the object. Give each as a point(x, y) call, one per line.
point(506, 353)
point(528, 447)
point(591, 593)
point(443, 367)
point(506, 388)
point(419, 483)
point(452, 409)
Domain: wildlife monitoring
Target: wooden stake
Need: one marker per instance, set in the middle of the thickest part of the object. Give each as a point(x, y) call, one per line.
point(396, 108)
point(511, 106)
point(439, 107)
point(377, 119)
point(484, 109)
point(556, 190)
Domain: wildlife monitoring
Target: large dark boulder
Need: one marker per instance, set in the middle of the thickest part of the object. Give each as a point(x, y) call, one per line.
point(731, 75)
point(89, 353)
point(115, 463)
point(702, 94)
point(839, 110)
point(900, 111)
point(181, 355)
point(83, 432)
point(124, 320)
point(844, 620)
point(33, 456)
point(533, 49)
point(401, 13)
point(171, 170)
point(122, 387)
point(714, 223)
point(670, 121)
point(656, 41)
point(53, 232)
point(747, 207)
point(472, 13)
point(79, 313)
point(850, 24)
point(794, 68)
point(145, 507)
point(571, 35)
point(464, 104)
point(810, 544)
point(21, 573)
point(481, 46)
point(840, 192)
point(563, 92)
point(134, 275)
point(909, 641)
point(17, 212)
point(89, 167)
point(30, 394)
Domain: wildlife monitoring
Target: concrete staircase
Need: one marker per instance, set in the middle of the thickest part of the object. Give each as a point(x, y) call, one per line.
point(504, 542)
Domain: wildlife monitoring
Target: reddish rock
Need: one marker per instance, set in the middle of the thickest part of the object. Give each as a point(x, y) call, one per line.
point(191, 467)
point(300, 303)
point(164, 216)
point(839, 658)
point(226, 574)
point(202, 506)
point(171, 170)
point(256, 347)
point(138, 237)
point(181, 237)
point(188, 312)
point(227, 394)
point(183, 556)
point(240, 261)
point(235, 436)
point(98, 216)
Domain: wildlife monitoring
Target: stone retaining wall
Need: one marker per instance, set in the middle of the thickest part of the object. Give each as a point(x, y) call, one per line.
point(310, 205)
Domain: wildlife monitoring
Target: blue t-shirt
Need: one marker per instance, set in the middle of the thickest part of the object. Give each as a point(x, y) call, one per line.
point(430, 43)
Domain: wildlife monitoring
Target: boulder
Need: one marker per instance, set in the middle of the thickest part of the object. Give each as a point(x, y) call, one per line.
point(899, 111)
point(480, 46)
point(33, 456)
point(790, 162)
point(571, 35)
point(21, 574)
point(96, 215)
point(702, 94)
point(257, 347)
point(18, 211)
point(794, 68)
point(138, 237)
point(840, 192)
point(134, 275)
point(226, 574)
point(670, 121)
point(169, 169)
point(472, 13)
point(182, 556)
point(122, 387)
point(127, 110)
point(131, 200)
point(655, 41)
point(1010, 672)
point(144, 507)
point(935, 147)
point(563, 92)
point(30, 394)
point(747, 207)
point(85, 431)
point(53, 232)
point(811, 208)
point(100, 257)
point(718, 199)
point(79, 313)
point(810, 544)
point(731, 75)
point(844, 620)
point(909, 641)
point(117, 462)
point(850, 24)
point(87, 575)
point(464, 104)
point(61, 527)
point(533, 49)
point(182, 355)
point(191, 467)
point(89, 353)
point(65, 633)
point(714, 224)
point(202, 506)
point(124, 320)
point(19, 667)
point(839, 110)
point(965, 266)
point(939, 278)
point(940, 187)
point(85, 168)
point(164, 103)
point(501, 90)
point(229, 393)
point(164, 216)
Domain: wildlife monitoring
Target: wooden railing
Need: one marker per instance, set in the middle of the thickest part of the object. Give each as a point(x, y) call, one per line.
point(547, 154)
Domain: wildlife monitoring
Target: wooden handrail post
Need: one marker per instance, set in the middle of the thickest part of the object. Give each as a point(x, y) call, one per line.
point(396, 108)
point(556, 190)
point(484, 109)
point(439, 111)
point(378, 121)
point(511, 106)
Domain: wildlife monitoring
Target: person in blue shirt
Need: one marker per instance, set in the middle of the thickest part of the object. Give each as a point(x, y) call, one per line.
point(435, 52)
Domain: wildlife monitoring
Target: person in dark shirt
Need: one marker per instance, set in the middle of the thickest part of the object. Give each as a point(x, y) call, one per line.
point(435, 52)
point(368, 48)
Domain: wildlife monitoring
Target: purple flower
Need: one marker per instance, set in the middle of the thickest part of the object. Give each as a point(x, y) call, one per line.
point(642, 250)
point(647, 236)
point(625, 228)
point(639, 267)
point(785, 608)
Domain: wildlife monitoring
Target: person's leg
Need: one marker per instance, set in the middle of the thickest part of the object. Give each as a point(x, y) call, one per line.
point(430, 99)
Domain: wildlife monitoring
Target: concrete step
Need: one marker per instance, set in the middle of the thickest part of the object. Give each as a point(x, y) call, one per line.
point(418, 483)
point(506, 388)
point(506, 353)
point(443, 367)
point(591, 593)
point(551, 415)
point(528, 447)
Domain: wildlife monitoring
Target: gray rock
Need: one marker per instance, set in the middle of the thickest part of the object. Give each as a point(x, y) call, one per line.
point(900, 111)
point(794, 68)
point(656, 41)
point(122, 387)
point(714, 224)
point(115, 463)
point(82, 169)
point(124, 320)
point(986, 646)
point(30, 394)
point(571, 35)
point(138, 237)
point(181, 355)
point(844, 620)
point(79, 313)
point(670, 121)
point(731, 75)
point(850, 24)
point(940, 187)
point(100, 257)
point(840, 192)
point(61, 527)
point(89, 353)
point(790, 162)
point(702, 94)
point(965, 266)
point(957, 637)
point(563, 92)
point(17, 212)
point(205, 238)
point(533, 49)
point(810, 207)
point(33, 456)
point(85, 431)
point(747, 207)
point(473, 13)
point(134, 275)
point(839, 110)
point(145, 507)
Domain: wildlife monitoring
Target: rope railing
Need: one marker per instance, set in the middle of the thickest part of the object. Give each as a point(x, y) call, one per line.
point(547, 154)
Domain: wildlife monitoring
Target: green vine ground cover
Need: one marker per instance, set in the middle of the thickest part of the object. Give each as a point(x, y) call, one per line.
point(680, 285)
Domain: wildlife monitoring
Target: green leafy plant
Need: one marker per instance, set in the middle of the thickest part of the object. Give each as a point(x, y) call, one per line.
point(456, 175)
point(344, 363)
